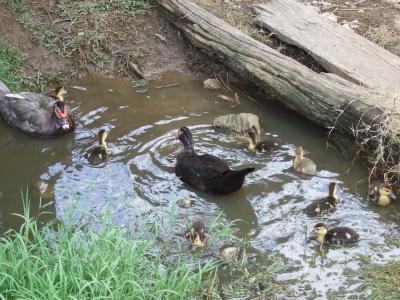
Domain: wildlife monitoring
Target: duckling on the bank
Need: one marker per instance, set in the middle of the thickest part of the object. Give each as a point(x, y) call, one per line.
point(302, 164)
point(197, 235)
point(99, 154)
point(268, 144)
point(338, 235)
point(36, 114)
point(381, 193)
point(323, 205)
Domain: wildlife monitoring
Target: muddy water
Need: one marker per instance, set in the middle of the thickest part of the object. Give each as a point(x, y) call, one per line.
point(138, 177)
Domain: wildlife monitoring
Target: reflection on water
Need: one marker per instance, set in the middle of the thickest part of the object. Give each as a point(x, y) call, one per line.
point(138, 176)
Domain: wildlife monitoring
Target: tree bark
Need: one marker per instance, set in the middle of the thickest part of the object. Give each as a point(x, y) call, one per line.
point(326, 99)
point(336, 48)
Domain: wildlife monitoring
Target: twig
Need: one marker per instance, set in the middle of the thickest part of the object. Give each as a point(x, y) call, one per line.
point(167, 86)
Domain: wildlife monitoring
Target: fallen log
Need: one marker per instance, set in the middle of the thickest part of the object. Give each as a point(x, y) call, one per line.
point(336, 48)
point(326, 99)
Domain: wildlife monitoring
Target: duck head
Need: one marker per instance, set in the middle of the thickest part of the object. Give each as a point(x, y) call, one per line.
point(321, 230)
point(332, 191)
point(102, 135)
point(299, 152)
point(60, 110)
point(385, 194)
point(197, 234)
point(186, 138)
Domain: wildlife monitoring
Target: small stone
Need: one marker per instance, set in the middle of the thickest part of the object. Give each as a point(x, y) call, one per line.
point(229, 254)
point(161, 37)
point(211, 84)
point(45, 190)
point(185, 203)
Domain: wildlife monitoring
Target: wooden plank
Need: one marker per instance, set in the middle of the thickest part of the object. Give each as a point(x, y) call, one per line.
point(326, 99)
point(336, 48)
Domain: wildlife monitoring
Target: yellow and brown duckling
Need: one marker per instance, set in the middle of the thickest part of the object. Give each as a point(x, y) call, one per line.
point(37, 114)
point(197, 235)
point(302, 164)
point(323, 205)
point(268, 144)
point(99, 154)
point(381, 193)
point(338, 235)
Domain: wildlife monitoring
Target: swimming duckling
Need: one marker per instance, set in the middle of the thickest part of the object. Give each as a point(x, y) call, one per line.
point(302, 164)
point(381, 193)
point(268, 144)
point(324, 205)
point(37, 114)
point(197, 235)
point(100, 152)
point(338, 235)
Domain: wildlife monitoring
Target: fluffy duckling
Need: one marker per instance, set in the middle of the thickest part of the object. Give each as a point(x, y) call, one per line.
point(99, 154)
point(338, 235)
point(381, 193)
point(197, 235)
point(268, 144)
point(302, 164)
point(323, 205)
point(37, 114)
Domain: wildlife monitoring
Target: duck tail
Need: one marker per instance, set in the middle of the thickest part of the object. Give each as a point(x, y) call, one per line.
point(240, 173)
point(4, 88)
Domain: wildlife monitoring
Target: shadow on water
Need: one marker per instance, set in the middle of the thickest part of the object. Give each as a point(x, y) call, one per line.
point(139, 176)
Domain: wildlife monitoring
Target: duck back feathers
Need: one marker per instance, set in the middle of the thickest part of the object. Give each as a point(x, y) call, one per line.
point(31, 112)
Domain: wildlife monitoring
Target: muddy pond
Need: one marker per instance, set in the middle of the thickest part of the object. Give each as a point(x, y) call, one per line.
point(139, 175)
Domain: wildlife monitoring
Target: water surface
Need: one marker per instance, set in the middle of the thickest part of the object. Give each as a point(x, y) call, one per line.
point(138, 177)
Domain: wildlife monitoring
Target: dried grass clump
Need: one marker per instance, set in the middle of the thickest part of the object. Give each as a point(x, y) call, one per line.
point(386, 37)
point(381, 142)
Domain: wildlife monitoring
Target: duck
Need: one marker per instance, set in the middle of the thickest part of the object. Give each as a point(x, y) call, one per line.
point(323, 205)
point(197, 235)
point(206, 172)
point(302, 164)
point(268, 144)
point(381, 193)
point(337, 235)
point(37, 114)
point(99, 154)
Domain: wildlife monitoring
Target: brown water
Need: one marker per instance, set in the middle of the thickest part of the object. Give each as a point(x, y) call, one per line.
point(139, 177)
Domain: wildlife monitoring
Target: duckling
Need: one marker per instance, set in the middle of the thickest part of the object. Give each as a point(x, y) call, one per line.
point(302, 164)
point(197, 235)
point(338, 235)
point(324, 205)
point(268, 144)
point(381, 193)
point(37, 114)
point(99, 154)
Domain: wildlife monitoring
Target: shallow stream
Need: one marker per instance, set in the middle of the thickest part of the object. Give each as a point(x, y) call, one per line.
point(139, 175)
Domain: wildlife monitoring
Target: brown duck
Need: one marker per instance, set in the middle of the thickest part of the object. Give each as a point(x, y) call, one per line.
point(206, 172)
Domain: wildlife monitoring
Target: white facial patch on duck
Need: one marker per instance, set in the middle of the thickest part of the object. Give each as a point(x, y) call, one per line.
point(15, 96)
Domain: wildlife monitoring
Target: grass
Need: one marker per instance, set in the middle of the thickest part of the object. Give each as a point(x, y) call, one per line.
point(382, 281)
point(61, 261)
point(11, 59)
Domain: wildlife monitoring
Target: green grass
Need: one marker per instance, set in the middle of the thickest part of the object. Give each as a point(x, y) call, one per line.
point(383, 280)
point(61, 261)
point(11, 59)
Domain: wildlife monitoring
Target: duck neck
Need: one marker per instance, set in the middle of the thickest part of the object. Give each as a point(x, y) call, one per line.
point(252, 143)
point(383, 200)
point(321, 238)
point(103, 143)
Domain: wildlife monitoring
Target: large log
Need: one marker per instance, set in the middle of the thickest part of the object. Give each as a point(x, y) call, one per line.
point(336, 48)
point(326, 99)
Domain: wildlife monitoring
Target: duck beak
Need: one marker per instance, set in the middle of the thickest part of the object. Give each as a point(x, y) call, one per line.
point(392, 195)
